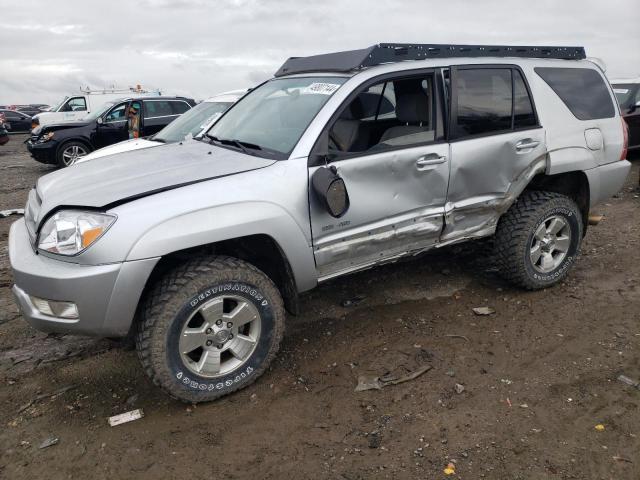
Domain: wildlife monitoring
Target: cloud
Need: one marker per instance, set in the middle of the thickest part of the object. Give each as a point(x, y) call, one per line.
point(199, 48)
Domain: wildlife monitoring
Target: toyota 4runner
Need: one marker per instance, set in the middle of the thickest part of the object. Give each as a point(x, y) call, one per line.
point(341, 162)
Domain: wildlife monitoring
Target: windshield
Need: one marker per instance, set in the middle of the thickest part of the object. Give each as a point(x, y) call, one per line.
point(625, 93)
point(55, 109)
point(191, 123)
point(99, 111)
point(274, 116)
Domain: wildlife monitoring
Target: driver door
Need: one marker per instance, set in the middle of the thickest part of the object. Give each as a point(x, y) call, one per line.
point(74, 109)
point(113, 128)
point(387, 144)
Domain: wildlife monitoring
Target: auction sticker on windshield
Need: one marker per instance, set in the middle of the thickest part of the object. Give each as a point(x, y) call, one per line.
point(321, 88)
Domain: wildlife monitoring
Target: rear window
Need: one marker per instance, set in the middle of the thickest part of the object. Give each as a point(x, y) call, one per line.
point(179, 107)
point(582, 90)
point(484, 101)
point(157, 108)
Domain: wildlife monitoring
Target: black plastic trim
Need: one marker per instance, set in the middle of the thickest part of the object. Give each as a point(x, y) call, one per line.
point(351, 60)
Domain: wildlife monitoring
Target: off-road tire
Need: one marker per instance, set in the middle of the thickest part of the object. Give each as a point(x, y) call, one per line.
point(515, 232)
point(171, 301)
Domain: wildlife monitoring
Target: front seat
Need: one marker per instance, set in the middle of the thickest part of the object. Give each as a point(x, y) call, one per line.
point(348, 133)
point(412, 109)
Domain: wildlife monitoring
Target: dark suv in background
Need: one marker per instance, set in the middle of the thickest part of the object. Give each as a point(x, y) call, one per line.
point(64, 143)
point(628, 95)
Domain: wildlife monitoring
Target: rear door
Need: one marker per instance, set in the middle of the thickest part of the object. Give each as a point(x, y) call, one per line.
point(387, 144)
point(495, 139)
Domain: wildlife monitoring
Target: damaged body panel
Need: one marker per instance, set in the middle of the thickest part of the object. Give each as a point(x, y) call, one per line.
point(487, 176)
point(397, 206)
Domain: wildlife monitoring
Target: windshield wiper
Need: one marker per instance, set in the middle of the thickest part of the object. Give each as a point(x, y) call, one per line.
point(212, 138)
point(244, 146)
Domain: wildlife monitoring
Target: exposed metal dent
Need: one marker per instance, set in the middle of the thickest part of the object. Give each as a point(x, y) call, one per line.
point(478, 216)
point(390, 238)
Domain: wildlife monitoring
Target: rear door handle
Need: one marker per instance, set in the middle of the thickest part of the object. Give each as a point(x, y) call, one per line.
point(527, 144)
point(430, 160)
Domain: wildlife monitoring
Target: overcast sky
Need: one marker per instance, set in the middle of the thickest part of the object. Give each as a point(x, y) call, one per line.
point(199, 48)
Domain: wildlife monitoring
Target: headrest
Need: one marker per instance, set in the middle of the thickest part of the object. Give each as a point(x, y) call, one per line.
point(412, 107)
point(354, 111)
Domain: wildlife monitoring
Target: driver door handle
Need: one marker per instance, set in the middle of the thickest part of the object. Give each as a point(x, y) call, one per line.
point(430, 160)
point(527, 144)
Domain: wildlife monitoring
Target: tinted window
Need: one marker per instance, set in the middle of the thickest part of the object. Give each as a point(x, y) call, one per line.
point(12, 115)
point(157, 108)
point(627, 94)
point(582, 90)
point(484, 100)
point(523, 115)
point(179, 107)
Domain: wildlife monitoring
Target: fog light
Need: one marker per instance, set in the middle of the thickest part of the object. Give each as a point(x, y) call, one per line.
point(54, 308)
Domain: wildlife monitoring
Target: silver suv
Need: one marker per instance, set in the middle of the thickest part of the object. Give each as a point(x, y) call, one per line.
point(341, 162)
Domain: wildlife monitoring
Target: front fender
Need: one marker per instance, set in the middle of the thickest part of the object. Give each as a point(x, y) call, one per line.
point(226, 222)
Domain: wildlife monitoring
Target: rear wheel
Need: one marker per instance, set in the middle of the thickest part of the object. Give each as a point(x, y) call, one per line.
point(209, 328)
point(70, 152)
point(538, 239)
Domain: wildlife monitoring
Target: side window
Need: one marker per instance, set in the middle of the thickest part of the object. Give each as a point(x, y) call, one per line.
point(392, 113)
point(582, 90)
point(179, 107)
point(117, 114)
point(75, 104)
point(523, 115)
point(483, 100)
point(157, 108)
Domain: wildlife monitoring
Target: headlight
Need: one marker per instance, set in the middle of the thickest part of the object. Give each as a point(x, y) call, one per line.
point(45, 138)
point(71, 231)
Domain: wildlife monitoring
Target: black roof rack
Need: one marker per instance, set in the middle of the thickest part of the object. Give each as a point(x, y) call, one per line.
point(397, 52)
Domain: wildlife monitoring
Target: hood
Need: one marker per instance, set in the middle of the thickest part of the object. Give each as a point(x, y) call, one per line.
point(130, 175)
point(126, 146)
point(50, 127)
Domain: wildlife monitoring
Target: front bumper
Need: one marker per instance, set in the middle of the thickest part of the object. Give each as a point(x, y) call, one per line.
point(106, 295)
point(43, 152)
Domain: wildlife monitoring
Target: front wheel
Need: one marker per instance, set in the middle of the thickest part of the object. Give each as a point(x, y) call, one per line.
point(209, 328)
point(70, 152)
point(538, 239)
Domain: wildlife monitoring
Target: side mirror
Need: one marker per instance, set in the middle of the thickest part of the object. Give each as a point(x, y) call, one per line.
point(331, 191)
point(99, 120)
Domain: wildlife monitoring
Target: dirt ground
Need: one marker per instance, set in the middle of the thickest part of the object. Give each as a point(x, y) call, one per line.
point(538, 376)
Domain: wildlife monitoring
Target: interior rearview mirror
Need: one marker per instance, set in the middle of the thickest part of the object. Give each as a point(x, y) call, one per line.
point(331, 191)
